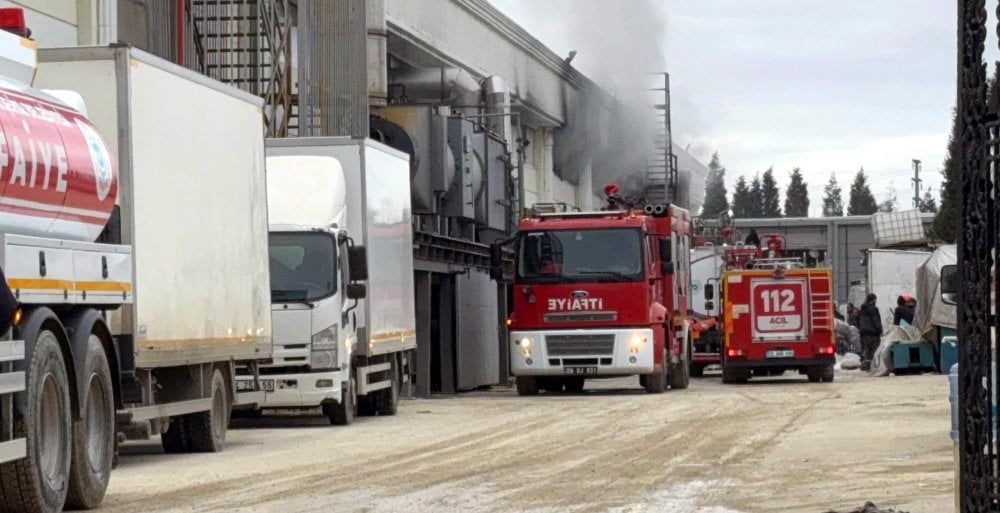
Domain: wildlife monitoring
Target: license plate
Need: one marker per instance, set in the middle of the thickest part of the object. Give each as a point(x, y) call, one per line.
point(267, 385)
point(780, 353)
point(580, 370)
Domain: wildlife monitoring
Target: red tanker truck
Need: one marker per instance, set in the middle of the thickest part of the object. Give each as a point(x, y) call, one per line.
point(135, 241)
point(600, 294)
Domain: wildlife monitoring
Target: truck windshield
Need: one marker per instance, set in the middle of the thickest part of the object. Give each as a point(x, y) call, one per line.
point(303, 266)
point(580, 255)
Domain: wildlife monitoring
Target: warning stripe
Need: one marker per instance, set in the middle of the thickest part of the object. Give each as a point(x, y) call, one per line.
point(79, 286)
point(33, 208)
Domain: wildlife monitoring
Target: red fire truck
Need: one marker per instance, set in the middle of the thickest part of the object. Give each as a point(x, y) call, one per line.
point(600, 294)
point(777, 315)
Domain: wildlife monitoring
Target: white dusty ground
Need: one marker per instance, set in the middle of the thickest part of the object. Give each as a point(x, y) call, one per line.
point(777, 445)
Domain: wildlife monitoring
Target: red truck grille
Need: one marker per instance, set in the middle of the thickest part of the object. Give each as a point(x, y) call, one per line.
point(580, 345)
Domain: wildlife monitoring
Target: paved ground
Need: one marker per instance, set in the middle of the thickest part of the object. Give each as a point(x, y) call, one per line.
point(780, 445)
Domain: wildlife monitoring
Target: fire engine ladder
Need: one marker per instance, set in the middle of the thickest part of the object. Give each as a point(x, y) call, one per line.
point(820, 303)
point(661, 167)
point(246, 43)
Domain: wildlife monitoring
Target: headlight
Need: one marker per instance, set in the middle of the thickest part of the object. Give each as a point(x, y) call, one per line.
point(635, 343)
point(323, 359)
point(325, 340)
point(525, 344)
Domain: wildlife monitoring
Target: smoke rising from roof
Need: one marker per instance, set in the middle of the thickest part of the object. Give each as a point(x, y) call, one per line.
point(619, 44)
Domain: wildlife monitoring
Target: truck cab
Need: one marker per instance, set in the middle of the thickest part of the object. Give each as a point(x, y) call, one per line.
point(600, 294)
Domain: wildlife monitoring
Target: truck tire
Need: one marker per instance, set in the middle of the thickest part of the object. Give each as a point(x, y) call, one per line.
point(827, 376)
point(526, 385)
point(575, 385)
point(207, 430)
point(680, 377)
point(39, 483)
point(388, 399)
point(175, 440)
point(731, 375)
point(815, 374)
point(343, 413)
point(94, 434)
point(656, 382)
point(697, 370)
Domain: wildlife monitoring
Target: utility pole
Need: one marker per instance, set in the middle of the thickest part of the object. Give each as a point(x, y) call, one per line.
point(916, 183)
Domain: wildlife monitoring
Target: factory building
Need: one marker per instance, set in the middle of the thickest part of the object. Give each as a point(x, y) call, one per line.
point(488, 114)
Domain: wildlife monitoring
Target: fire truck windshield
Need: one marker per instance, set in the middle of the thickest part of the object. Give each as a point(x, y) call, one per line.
point(580, 255)
point(303, 266)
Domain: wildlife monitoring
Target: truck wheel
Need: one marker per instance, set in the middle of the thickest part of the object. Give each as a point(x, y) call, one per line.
point(697, 370)
point(815, 374)
point(175, 440)
point(207, 430)
point(680, 377)
point(38, 483)
point(731, 375)
point(527, 385)
point(575, 385)
point(656, 382)
point(342, 413)
point(388, 399)
point(827, 376)
point(94, 434)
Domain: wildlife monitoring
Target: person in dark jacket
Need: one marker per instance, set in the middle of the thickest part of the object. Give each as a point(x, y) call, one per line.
point(852, 314)
point(870, 327)
point(8, 305)
point(752, 238)
point(905, 309)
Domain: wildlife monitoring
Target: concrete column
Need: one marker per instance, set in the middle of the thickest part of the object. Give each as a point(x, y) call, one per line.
point(547, 173)
point(422, 291)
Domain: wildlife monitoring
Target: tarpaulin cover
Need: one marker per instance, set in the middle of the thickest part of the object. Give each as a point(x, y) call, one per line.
point(931, 310)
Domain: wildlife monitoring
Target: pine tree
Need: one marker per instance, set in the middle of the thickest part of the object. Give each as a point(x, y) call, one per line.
point(862, 200)
point(928, 204)
point(770, 196)
point(756, 197)
point(833, 202)
point(715, 190)
point(946, 221)
point(797, 196)
point(742, 206)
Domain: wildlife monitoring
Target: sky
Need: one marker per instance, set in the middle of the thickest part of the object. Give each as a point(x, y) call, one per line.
point(829, 87)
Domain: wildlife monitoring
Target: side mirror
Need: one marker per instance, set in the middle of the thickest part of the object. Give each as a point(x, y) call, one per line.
point(357, 262)
point(496, 261)
point(666, 257)
point(950, 281)
point(356, 291)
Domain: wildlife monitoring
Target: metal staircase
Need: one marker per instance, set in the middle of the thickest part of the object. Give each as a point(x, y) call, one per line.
point(661, 168)
point(246, 43)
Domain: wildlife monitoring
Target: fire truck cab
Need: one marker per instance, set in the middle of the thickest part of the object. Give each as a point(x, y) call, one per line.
point(777, 315)
point(600, 294)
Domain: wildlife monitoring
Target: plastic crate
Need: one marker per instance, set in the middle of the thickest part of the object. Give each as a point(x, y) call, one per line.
point(892, 228)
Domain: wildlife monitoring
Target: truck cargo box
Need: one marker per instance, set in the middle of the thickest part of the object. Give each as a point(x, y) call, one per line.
point(378, 208)
point(891, 273)
point(192, 202)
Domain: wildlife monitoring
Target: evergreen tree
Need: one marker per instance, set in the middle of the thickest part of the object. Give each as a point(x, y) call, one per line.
point(770, 195)
point(742, 206)
point(715, 190)
point(833, 202)
point(928, 204)
point(862, 200)
point(756, 197)
point(946, 221)
point(797, 196)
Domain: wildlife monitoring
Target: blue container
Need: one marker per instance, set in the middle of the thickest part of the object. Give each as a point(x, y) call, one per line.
point(913, 355)
point(947, 353)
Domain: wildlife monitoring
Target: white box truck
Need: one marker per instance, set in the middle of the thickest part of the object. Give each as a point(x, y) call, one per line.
point(339, 347)
point(133, 231)
point(889, 273)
